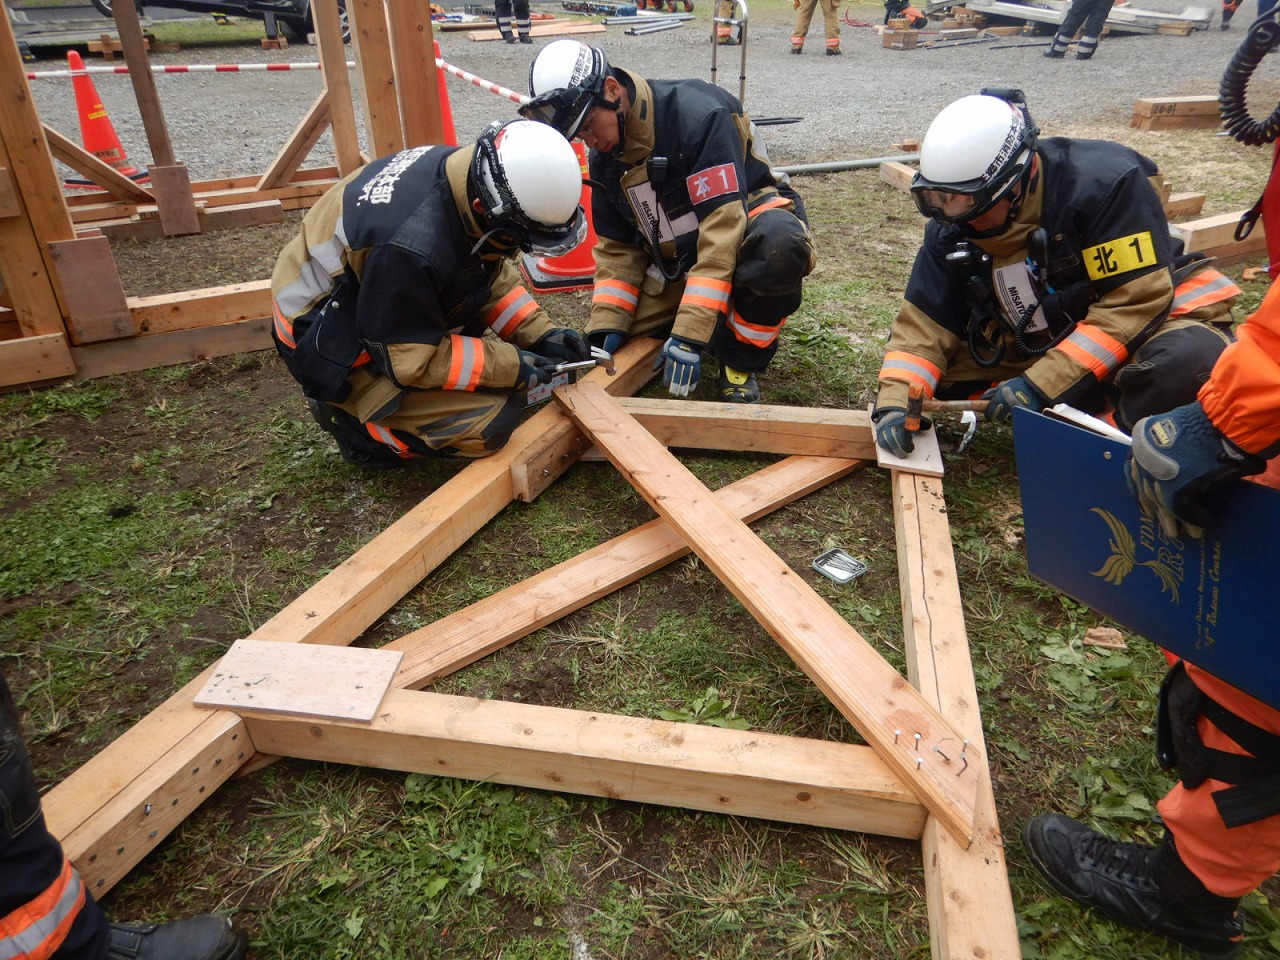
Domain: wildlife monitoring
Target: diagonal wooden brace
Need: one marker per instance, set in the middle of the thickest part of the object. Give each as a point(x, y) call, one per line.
point(914, 740)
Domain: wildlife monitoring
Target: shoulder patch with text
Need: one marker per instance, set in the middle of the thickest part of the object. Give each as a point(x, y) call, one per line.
point(1122, 255)
point(712, 182)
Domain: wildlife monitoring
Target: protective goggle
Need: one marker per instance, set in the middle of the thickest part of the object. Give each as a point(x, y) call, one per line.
point(962, 202)
point(564, 109)
point(545, 242)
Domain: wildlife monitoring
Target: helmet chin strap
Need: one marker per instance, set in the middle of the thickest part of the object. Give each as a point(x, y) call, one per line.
point(1015, 207)
point(622, 129)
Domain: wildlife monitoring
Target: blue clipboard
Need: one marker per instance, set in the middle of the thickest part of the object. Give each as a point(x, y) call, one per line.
point(1214, 602)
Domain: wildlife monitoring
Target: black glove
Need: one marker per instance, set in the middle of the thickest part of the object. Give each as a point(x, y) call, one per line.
point(1177, 457)
point(892, 432)
point(681, 363)
point(1003, 398)
point(610, 342)
point(563, 343)
point(534, 369)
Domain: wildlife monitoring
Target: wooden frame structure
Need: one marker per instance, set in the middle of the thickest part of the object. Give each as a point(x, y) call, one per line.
point(934, 787)
point(63, 311)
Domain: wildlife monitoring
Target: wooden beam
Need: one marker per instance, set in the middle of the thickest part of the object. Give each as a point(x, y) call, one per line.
point(300, 143)
point(452, 642)
point(89, 809)
point(896, 721)
point(1175, 113)
point(9, 206)
point(760, 428)
point(171, 183)
point(544, 30)
point(184, 346)
point(898, 175)
point(1215, 237)
point(970, 908)
point(35, 359)
point(372, 42)
point(92, 293)
point(103, 174)
point(337, 84)
point(742, 773)
point(207, 307)
point(417, 77)
point(1183, 205)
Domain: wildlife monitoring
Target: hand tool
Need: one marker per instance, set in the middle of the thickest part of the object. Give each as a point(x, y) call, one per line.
point(598, 358)
point(915, 403)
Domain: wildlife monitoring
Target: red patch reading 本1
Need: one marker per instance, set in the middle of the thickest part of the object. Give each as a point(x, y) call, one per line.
point(712, 182)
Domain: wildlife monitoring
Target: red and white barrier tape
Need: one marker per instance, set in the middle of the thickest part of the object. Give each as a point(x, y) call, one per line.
point(188, 68)
point(481, 83)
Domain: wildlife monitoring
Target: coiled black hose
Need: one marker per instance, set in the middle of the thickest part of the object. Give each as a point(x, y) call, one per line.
point(1262, 38)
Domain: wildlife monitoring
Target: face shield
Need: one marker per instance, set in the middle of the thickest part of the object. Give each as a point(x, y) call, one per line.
point(555, 242)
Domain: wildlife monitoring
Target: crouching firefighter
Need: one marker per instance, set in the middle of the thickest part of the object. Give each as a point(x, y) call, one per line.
point(1047, 275)
point(397, 307)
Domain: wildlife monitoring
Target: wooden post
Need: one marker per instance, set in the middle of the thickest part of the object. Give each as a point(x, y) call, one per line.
point(417, 82)
point(371, 38)
point(337, 84)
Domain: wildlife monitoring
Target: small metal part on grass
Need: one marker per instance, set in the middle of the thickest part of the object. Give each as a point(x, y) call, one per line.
point(839, 566)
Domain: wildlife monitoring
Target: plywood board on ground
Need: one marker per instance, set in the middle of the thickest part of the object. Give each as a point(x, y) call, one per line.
point(337, 683)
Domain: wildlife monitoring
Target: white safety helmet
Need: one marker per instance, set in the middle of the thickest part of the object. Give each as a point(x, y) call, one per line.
point(974, 153)
point(566, 80)
point(529, 182)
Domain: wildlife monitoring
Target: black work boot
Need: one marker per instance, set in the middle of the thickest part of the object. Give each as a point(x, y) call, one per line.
point(356, 447)
point(737, 386)
point(1058, 47)
point(206, 937)
point(1145, 887)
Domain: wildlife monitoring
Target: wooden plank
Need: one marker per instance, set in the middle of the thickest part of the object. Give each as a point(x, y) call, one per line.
point(1183, 205)
point(9, 206)
point(742, 773)
point(762, 428)
point(93, 168)
point(92, 295)
point(970, 906)
point(337, 80)
point(898, 175)
point(206, 307)
point(370, 39)
point(452, 642)
point(925, 459)
point(1215, 237)
point(148, 224)
point(543, 30)
point(1157, 124)
point(165, 350)
point(418, 79)
point(88, 809)
point(332, 683)
point(1176, 107)
point(35, 359)
point(896, 721)
point(300, 143)
point(135, 47)
point(171, 184)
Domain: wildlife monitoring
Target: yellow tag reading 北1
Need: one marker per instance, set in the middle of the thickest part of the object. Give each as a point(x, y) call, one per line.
point(1121, 255)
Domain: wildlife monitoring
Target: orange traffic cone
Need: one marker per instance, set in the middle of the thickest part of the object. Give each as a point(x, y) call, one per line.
point(575, 270)
point(446, 111)
point(96, 131)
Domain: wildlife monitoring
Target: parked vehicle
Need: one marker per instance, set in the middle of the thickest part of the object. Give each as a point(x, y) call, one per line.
point(293, 15)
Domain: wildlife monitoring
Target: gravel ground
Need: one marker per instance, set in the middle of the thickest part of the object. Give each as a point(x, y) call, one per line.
point(852, 106)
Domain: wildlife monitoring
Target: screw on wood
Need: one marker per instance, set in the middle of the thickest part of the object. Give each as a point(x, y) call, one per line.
point(896, 734)
point(966, 765)
point(938, 751)
point(917, 743)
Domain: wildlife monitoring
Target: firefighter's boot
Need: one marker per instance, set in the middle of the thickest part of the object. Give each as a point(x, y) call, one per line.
point(1145, 887)
point(1086, 48)
point(206, 937)
point(1058, 48)
point(737, 386)
point(354, 443)
point(797, 48)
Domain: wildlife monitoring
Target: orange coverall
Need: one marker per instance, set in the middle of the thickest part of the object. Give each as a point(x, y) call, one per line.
point(1242, 399)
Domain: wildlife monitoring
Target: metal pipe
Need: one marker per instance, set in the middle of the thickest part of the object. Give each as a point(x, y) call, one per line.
point(837, 165)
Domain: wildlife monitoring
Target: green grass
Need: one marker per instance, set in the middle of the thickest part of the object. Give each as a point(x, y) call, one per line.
point(152, 519)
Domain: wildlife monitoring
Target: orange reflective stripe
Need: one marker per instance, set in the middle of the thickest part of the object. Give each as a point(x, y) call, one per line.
point(1096, 351)
point(776, 201)
point(615, 293)
point(754, 333)
point(509, 312)
point(383, 435)
point(466, 363)
point(1206, 287)
point(706, 292)
point(907, 366)
point(362, 359)
point(37, 929)
point(283, 326)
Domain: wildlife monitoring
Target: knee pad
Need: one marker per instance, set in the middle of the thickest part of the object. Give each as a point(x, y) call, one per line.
point(1167, 371)
point(775, 255)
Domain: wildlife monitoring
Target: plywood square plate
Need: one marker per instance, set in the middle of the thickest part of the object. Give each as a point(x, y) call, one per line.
point(304, 679)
